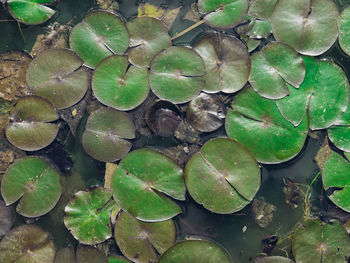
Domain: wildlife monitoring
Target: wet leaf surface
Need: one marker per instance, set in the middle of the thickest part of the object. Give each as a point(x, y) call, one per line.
point(176, 74)
point(117, 84)
point(223, 13)
point(223, 177)
point(6, 219)
point(105, 134)
point(143, 183)
point(148, 36)
point(98, 36)
point(118, 259)
point(141, 242)
point(27, 243)
point(309, 26)
point(276, 64)
point(257, 123)
point(57, 75)
point(87, 254)
point(344, 30)
point(31, 129)
point(262, 9)
point(318, 242)
point(259, 29)
point(227, 63)
point(34, 183)
point(195, 251)
point(324, 94)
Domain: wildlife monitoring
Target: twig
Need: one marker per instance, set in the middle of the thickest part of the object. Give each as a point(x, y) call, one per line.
point(20, 31)
point(188, 29)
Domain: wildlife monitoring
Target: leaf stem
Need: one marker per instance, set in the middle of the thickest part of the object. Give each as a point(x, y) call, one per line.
point(188, 29)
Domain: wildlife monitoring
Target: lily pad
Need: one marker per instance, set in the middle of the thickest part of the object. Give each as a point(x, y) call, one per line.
point(344, 30)
point(6, 219)
point(27, 243)
point(224, 176)
point(276, 64)
point(87, 254)
point(141, 241)
point(105, 134)
point(176, 74)
point(34, 183)
point(339, 134)
point(118, 259)
point(321, 243)
point(148, 36)
point(259, 29)
point(223, 14)
point(31, 129)
point(335, 178)
point(206, 113)
point(57, 75)
point(195, 251)
point(30, 12)
point(143, 183)
point(273, 259)
point(324, 94)
point(117, 84)
point(257, 123)
point(227, 63)
point(262, 9)
point(65, 255)
point(98, 36)
point(309, 26)
point(88, 215)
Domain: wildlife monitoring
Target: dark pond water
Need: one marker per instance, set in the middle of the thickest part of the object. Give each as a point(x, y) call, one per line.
point(237, 233)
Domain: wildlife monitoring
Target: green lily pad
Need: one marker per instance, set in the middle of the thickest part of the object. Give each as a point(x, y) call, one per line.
point(30, 12)
point(251, 43)
point(223, 13)
point(57, 75)
point(98, 36)
point(321, 243)
point(259, 29)
point(335, 178)
point(257, 123)
point(226, 61)
point(224, 176)
point(276, 64)
point(105, 134)
point(118, 259)
point(273, 259)
point(347, 155)
point(344, 30)
point(309, 26)
point(31, 130)
point(176, 74)
point(324, 94)
point(6, 219)
point(34, 183)
point(262, 9)
point(65, 255)
point(87, 254)
point(148, 36)
point(340, 136)
point(143, 183)
point(88, 215)
point(117, 84)
point(195, 251)
point(27, 244)
point(141, 241)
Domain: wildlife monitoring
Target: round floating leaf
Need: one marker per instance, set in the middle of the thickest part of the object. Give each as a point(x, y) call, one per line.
point(34, 183)
point(142, 183)
point(257, 123)
point(30, 130)
point(140, 241)
point(195, 251)
point(30, 12)
point(273, 259)
point(87, 254)
point(65, 255)
point(340, 136)
point(88, 215)
point(27, 243)
point(259, 29)
point(118, 259)
point(347, 155)
point(223, 13)
point(276, 64)
point(344, 30)
point(98, 36)
point(335, 178)
point(117, 84)
point(321, 243)
point(206, 113)
point(324, 93)
point(262, 9)
point(6, 219)
point(105, 133)
point(176, 74)
point(57, 75)
point(148, 36)
point(309, 26)
point(224, 176)
point(226, 61)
